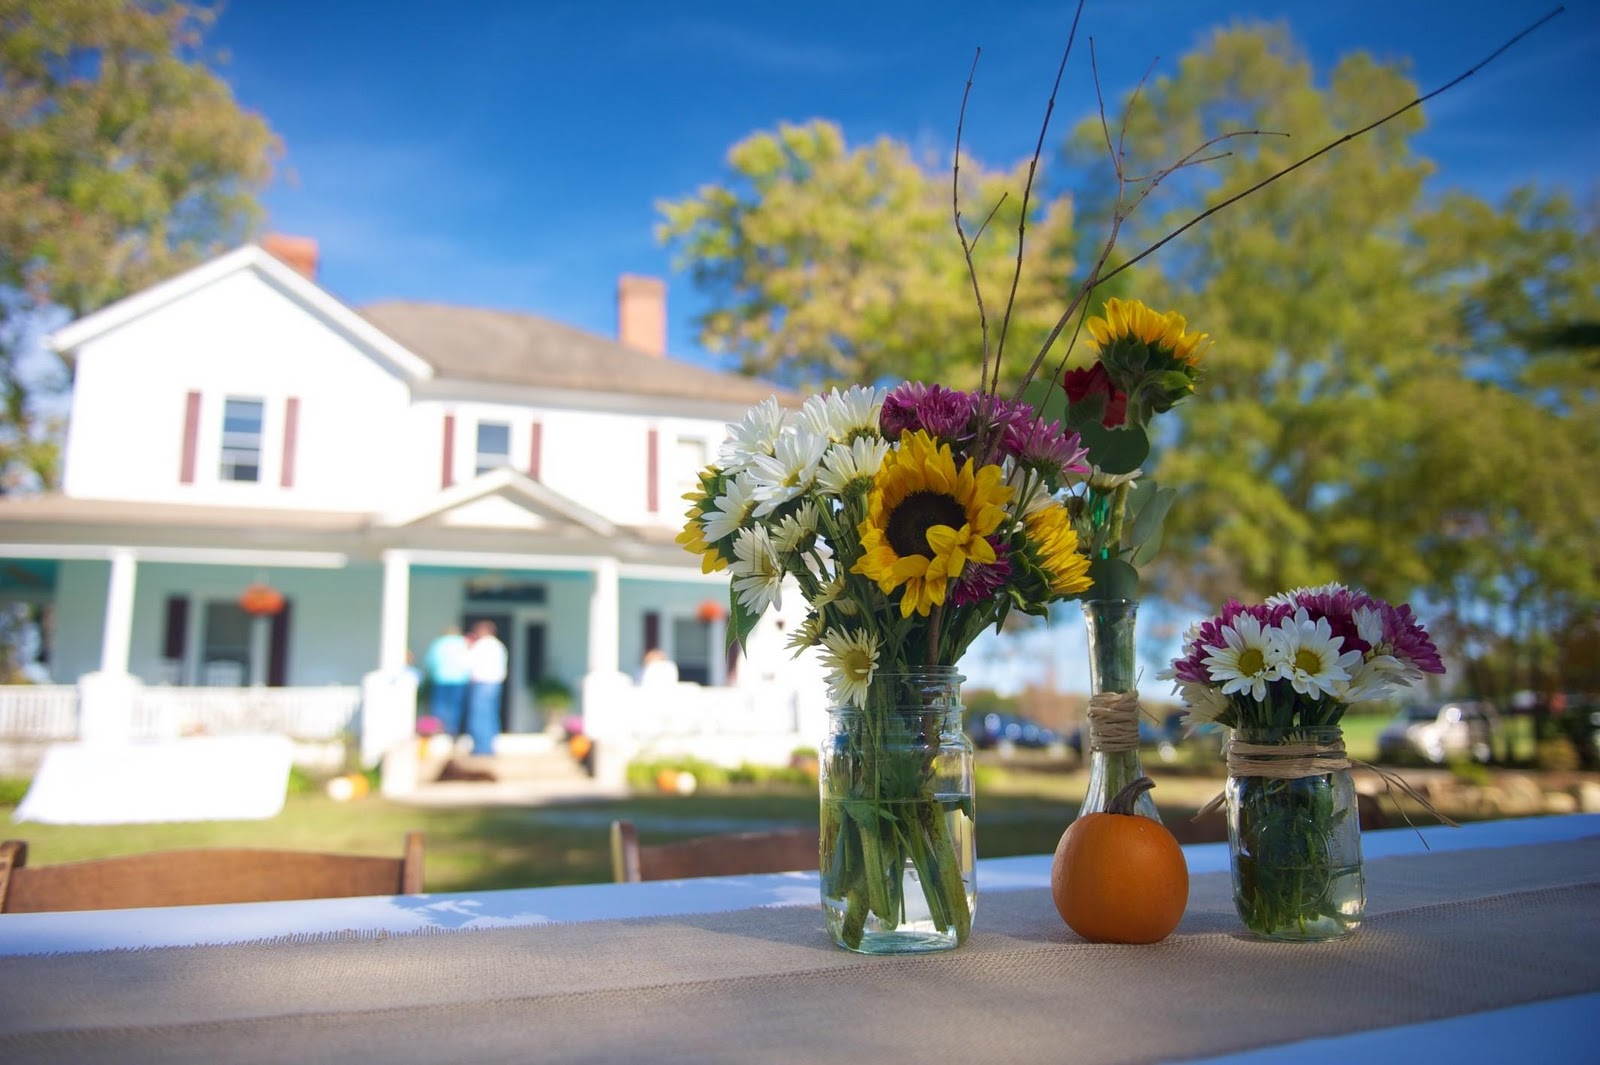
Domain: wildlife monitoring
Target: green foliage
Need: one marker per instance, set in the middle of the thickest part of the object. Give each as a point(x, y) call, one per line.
point(123, 159)
point(829, 264)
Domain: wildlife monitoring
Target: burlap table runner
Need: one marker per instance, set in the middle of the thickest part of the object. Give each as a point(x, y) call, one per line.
point(1446, 934)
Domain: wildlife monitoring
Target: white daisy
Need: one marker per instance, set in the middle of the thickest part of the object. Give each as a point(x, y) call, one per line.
point(796, 531)
point(1376, 678)
point(790, 471)
point(1308, 657)
point(851, 467)
point(807, 636)
point(851, 659)
point(752, 437)
point(854, 413)
point(1104, 482)
point(1380, 659)
point(730, 510)
point(1204, 703)
point(1039, 496)
point(1244, 663)
point(1292, 596)
point(757, 570)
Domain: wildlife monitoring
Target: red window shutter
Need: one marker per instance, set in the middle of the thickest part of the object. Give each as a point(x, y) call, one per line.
point(191, 438)
point(652, 630)
point(652, 484)
point(448, 477)
point(535, 434)
point(291, 431)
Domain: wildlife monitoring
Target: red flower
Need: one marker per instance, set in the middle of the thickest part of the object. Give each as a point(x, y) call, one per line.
point(1094, 381)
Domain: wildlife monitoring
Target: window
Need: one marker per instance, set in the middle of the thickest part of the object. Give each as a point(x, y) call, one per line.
point(691, 649)
point(241, 439)
point(688, 459)
point(225, 652)
point(494, 446)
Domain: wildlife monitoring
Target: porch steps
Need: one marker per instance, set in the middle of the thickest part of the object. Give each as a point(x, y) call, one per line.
point(521, 778)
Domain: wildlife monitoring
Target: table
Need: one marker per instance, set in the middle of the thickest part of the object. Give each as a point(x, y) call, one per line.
point(1485, 947)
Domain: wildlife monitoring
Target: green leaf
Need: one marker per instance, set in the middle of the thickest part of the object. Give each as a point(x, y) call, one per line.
point(1049, 399)
point(1113, 579)
point(1119, 450)
point(741, 622)
point(1149, 505)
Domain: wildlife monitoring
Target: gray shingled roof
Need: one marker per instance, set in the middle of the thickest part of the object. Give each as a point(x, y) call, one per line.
point(469, 343)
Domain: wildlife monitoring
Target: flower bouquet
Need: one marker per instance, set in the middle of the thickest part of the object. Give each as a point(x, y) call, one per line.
point(910, 520)
point(1281, 674)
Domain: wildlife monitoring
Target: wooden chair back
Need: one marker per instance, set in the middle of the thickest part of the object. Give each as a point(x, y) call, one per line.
point(201, 877)
point(779, 851)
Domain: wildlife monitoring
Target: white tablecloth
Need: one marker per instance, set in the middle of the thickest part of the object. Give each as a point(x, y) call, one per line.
point(206, 778)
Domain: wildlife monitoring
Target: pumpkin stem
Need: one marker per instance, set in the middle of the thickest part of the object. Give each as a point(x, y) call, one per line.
point(1122, 802)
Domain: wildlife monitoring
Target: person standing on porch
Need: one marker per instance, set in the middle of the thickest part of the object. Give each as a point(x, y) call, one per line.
point(448, 668)
point(487, 663)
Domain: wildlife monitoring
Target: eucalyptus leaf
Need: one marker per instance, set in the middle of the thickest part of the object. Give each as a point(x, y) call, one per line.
point(1119, 450)
point(1149, 513)
point(1049, 399)
point(1113, 579)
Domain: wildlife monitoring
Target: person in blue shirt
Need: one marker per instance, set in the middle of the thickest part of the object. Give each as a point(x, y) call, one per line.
point(448, 668)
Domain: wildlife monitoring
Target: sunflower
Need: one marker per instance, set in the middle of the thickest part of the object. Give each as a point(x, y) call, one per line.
point(1150, 358)
point(1055, 543)
point(693, 536)
point(925, 519)
point(1164, 333)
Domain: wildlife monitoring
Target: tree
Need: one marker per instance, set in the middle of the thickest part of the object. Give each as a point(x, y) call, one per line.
point(831, 265)
point(1377, 409)
point(123, 159)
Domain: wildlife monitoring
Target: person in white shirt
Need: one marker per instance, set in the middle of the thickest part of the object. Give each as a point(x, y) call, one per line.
point(486, 661)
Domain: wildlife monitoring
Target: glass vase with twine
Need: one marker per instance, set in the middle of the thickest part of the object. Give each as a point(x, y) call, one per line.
point(1294, 833)
point(898, 850)
point(1111, 740)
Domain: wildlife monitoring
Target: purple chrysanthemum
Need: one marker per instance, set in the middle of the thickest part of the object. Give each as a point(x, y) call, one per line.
point(943, 413)
point(1040, 445)
point(981, 581)
point(1410, 640)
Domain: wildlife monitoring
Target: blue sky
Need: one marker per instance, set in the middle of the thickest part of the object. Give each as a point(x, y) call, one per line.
point(510, 154)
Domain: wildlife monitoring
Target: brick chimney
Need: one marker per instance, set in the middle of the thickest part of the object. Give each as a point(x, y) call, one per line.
point(299, 252)
point(642, 313)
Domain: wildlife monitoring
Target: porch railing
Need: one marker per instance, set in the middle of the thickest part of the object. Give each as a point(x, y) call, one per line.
point(50, 712)
point(38, 712)
point(325, 713)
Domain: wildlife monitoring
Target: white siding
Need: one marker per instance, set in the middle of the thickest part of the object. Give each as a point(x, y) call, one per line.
point(240, 336)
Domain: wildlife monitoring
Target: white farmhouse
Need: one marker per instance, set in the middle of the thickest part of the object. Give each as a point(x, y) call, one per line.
point(389, 472)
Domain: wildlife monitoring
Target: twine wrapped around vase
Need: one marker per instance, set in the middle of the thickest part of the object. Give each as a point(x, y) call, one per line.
point(1295, 759)
point(1114, 721)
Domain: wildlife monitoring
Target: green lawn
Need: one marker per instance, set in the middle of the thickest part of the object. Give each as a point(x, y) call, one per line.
point(504, 847)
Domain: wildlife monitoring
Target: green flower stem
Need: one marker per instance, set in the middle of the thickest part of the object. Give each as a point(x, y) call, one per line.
point(883, 815)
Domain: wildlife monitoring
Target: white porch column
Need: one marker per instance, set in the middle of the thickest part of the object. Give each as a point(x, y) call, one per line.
point(396, 612)
point(118, 633)
point(604, 619)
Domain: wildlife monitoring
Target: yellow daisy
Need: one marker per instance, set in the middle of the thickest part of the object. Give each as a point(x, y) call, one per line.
point(925, 519)
point(1168, 332)
point(1055, 543)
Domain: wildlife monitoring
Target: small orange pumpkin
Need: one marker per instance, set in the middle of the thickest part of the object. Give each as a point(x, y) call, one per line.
point(1119, 877)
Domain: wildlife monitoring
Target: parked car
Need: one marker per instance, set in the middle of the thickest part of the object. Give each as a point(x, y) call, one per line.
point(994, 728)
point(1441, 732)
